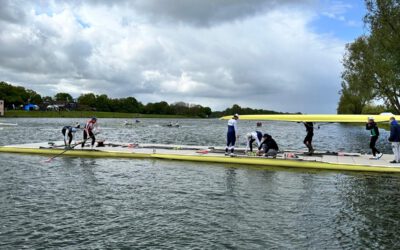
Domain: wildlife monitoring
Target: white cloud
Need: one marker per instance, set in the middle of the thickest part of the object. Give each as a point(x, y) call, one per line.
point(257, 54)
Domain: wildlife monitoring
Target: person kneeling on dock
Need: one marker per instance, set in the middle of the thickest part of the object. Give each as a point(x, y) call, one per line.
point(394, 138)
point(68, 133)
point(268, 147)
point(88, 131)
point(252, 137)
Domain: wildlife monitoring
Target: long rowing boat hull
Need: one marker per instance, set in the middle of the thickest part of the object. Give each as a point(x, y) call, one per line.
point(338, 163)
point(315, 118)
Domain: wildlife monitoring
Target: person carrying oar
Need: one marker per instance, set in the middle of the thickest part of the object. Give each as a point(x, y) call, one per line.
point(68, 133)
point(88, 130)
point(308, 139)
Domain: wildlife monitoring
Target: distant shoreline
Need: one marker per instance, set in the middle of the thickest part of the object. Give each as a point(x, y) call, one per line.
point(85, 114)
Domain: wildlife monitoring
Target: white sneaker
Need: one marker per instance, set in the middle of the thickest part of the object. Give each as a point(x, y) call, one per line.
point(226, 153)
point(232, 155)
point(380, 155)
point(374, 158)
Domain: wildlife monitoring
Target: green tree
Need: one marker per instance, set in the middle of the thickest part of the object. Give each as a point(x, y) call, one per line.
point(372, 63)
point(63, 97)
point(88, 99)
point(102, 103)
point(383, 18)
point(17, 95)
point(357, 77)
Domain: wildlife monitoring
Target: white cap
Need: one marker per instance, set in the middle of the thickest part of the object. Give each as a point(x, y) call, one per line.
point(237, 115)
point(371, 118)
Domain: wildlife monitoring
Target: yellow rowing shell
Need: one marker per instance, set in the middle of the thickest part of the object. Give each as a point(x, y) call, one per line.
point(260, 162)
point(315, 118)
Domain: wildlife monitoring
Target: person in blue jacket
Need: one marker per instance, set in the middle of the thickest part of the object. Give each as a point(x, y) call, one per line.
point(394, 139)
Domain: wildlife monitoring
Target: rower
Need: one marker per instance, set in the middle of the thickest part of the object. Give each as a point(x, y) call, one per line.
point(90, 126)
point(308, 139)
point(231, 135)
point(68, 133)
point(268, 147)
point(373, 127)
point(255, 136)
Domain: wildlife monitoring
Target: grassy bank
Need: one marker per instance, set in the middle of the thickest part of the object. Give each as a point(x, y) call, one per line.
point(84, 114)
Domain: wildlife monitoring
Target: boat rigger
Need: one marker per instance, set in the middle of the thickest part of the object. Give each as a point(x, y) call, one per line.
point(319, 160)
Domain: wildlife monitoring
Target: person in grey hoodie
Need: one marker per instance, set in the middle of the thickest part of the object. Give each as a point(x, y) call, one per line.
point(394, 138)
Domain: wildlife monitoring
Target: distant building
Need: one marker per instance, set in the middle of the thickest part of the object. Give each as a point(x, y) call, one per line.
point(1, 108)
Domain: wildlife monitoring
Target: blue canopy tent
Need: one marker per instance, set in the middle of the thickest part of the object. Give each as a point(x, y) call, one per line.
point(30, 106)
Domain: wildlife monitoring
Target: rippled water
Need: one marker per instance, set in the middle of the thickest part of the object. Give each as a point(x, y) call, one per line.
point(83, 203)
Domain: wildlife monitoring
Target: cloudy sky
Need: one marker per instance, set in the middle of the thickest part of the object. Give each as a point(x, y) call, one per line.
point(282, 55)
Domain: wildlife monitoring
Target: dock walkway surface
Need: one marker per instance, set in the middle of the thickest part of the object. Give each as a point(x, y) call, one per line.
point(290, 159)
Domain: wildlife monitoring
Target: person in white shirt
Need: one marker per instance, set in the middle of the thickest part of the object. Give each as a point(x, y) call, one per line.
point(231, 135)
point(252, 137)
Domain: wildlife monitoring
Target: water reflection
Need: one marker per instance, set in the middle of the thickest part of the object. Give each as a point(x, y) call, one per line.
point(369, 208)
point(168, 204)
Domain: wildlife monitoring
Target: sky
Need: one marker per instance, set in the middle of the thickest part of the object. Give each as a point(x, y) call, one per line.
point(282, 55)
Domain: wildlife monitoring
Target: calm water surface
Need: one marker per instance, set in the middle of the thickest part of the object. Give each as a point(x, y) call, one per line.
point(83, 203)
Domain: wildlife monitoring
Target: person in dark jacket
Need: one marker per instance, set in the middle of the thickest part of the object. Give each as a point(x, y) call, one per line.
point(268, 146)
point(373, 127)
point(308, 139)
point(394, 138)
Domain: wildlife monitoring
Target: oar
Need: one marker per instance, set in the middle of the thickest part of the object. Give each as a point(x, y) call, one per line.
point(324, 124)
point(51, 158)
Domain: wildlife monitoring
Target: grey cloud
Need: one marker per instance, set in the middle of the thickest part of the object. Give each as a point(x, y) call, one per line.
point(12, 11)
point(200, 13)
point(250, 62)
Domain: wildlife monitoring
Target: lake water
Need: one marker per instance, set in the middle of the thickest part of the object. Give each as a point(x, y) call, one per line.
point(84, 203)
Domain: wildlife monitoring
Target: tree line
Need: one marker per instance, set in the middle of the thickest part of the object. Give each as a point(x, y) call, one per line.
point(372, 63)
point(16, 96)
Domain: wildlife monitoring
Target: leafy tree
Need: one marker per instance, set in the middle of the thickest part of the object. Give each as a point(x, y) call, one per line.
point(48, 99)
point(64, 97)
point(372, 63)
point(17, 95)
point(87, 99)
point(102, 103)
point(383, 18)
point(358, 81)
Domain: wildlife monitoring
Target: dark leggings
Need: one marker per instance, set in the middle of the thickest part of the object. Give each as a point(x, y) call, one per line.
point(372, 145)
point(64, 130)
point(85, 136)
point(231, 139)
point(308, 142)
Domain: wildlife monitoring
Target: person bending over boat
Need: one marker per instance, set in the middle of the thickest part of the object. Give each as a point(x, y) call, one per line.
point(373, 127)
point(252, 137)
point(394, 138)
point(308, 139)
point(268, 147)
point(88, 130)
point(231, 135)
point(68, 133)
